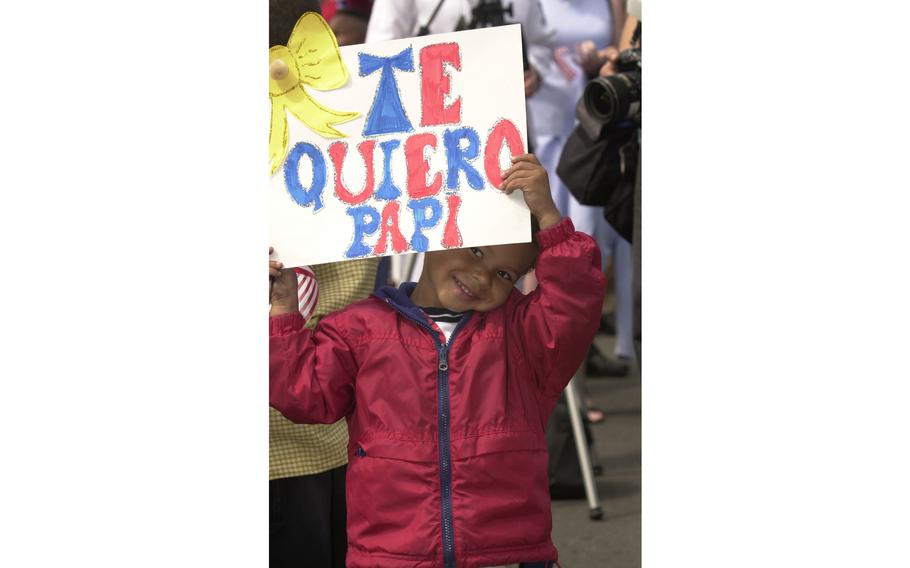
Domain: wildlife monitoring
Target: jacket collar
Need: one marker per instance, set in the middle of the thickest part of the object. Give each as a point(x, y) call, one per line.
point(400, 299)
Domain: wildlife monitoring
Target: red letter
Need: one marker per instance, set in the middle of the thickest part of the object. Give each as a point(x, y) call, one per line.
point(337, 151)
point(418, 166)
point(451, 237)
point(390, 227)
point(434, 84)
point(503, 131)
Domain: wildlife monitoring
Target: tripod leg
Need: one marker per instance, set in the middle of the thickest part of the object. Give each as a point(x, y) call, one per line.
point(581, 444)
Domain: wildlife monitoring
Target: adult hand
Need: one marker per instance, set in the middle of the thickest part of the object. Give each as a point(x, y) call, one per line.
point(592, 60)
point(588, 57)
point(611, 55)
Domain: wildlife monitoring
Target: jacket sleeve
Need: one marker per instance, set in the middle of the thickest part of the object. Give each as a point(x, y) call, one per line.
point(557, 321)
point(311, 373)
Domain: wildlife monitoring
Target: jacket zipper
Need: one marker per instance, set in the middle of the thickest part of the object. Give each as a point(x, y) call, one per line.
point(445, 462)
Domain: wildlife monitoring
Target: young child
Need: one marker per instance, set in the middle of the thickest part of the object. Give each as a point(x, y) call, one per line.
point(447, 386)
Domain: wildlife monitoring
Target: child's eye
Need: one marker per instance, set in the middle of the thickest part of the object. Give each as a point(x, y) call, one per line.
point(504, 275)
point(476, 252)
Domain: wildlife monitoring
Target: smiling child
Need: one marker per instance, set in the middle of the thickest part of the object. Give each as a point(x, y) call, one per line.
point(447, 385)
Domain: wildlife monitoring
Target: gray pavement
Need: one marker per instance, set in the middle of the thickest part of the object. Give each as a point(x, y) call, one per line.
point(614, 541)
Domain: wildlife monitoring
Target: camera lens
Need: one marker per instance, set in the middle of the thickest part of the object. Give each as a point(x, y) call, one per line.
point(614, 98)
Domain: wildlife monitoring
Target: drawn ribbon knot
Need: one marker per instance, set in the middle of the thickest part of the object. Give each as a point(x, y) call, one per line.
point(311, 57)
point(404, 61)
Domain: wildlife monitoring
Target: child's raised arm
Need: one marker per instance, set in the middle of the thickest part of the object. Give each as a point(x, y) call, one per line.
point(311, 373)
point(558, 320)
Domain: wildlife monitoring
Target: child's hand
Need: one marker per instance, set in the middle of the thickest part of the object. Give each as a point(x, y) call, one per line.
point(527, 175)
point(282, 288)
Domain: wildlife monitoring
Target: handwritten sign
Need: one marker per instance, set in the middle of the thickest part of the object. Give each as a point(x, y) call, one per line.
point(405, 154)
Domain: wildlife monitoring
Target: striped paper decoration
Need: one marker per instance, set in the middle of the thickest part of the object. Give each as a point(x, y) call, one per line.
point(307, 291)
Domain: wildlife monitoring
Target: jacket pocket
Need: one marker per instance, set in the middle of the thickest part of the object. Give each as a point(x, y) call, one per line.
point(393, 498)
point(405, 450)
point(500, 491)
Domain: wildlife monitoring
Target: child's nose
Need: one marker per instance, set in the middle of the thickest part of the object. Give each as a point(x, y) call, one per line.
point(482, 277)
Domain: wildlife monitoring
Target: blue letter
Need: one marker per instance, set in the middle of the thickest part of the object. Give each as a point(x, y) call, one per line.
point(419, 242)
point(305, 197)
point(387, 114)
point(362, 228)
point(387, 189)
point(459, 157)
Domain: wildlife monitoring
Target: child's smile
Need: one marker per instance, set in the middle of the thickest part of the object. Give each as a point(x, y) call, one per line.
point(464, 290)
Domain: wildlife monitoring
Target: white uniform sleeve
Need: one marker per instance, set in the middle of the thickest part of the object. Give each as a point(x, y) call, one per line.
point(536, 30)
point(392, 19)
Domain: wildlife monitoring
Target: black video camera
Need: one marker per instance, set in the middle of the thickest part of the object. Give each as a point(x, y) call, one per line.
point(610, 100)
point(616, 97)
point(485, 14)
point(599, 162)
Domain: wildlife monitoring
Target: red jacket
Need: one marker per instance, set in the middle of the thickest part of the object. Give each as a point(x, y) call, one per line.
point(447, 457)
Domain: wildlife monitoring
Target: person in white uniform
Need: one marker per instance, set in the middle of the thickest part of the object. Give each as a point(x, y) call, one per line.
point(584, 36)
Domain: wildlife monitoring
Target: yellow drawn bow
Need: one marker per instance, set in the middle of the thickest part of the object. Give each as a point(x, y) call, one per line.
point(311, 57)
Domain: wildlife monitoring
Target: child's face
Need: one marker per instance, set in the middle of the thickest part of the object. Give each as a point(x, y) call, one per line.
point(475, 278)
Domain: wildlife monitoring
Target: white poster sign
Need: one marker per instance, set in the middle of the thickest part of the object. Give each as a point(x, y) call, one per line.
point(428, 126)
